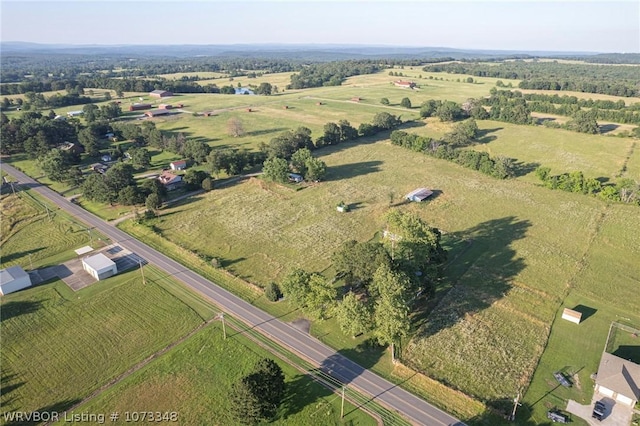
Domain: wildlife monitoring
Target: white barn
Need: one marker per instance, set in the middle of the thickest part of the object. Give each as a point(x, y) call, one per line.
point(13, 279)
point(99, 266)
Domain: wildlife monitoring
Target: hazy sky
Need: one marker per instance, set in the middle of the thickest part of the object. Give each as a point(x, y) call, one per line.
point(602, 26)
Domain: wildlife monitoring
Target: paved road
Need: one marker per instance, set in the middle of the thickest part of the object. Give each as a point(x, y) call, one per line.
point(385, 392)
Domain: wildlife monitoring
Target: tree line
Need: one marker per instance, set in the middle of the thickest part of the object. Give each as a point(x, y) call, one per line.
point(330, 73)
point(625, 190)
point(617, 81)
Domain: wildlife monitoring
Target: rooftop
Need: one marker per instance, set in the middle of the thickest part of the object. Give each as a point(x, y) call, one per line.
point(619, 375)
point(98, 261)
point(12, 273)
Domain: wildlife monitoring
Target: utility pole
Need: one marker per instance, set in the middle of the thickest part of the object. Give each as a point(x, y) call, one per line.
point(220, 316)
point(342, 408)
point(515, 407)
point(141, 271)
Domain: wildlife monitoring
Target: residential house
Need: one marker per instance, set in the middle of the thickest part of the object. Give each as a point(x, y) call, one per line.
point(170, 180)
point(178, 165)
point(619, 379)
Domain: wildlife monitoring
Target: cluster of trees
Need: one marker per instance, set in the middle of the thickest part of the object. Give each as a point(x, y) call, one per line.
point(383, 278)
point(256, 397)
point(330, 73)
point(277, 169)
point(107, 112)
point(499, 167)
point(233, 161)
point(34, 133)
point(39, 101)
point(117, 185)
point(444, 110)
point(617, 81)
point(505, 107)
point(336, 133)
point(624, 190)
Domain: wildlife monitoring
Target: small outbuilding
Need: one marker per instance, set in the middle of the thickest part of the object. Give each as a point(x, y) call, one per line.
point(296, 178)
point(13, 279)
point(157, 112)
point(160, 94)
point(571, 315)
point(178, 165)
point(99, 266)
point(419, 195)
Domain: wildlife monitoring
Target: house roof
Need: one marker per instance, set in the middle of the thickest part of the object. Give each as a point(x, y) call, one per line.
point(179, 163)
point(98, 262)
point(420, 193)
point(619, 375)
point(167, 177)
point(155, 112)
point(159, 92)
point(11, 274)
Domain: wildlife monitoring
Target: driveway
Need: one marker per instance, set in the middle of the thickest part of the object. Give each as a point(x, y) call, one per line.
point(616, 414)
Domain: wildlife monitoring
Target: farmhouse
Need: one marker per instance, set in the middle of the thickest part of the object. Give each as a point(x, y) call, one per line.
point(178, 165)
point(99, 266)
point(619, 379)
point(13, 279)
point(139, 107)
point(170, 181)
point(157, 112)
point(160, 94)
point(419, 195)
point(405, 84)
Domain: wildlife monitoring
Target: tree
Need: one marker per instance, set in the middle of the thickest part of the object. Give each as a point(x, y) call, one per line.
point(299, 160)
point(276, 169)
point(386, 121)
point(153, 186)
point(332, 134)
point(193, 179)
point(584, 122)
point(207, 184)
point(235, 127)
point(354, 317)
point(119, 176)
point(405, 103)
point(272, 292)
point(320, 297)
point(91, 112)
point(295, 287)
point(54, 165)
point(129, 195)
point(264, 89)
point(449, 111)
point(140, 157)
point(316, 169)
point(347, 131)
point(391, 314)
point(153, 202)
point(245, 400)
point(256, 397)
point(357, 262)
point(384, 101)
point(74, 176)
point(196, 151)
point(95, 188)
point(90, 142)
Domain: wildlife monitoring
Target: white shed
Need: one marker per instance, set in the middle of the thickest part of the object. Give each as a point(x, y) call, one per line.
point(99, 266)
point(13, 279)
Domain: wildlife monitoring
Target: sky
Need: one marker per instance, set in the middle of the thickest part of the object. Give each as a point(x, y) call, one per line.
point(578, 25)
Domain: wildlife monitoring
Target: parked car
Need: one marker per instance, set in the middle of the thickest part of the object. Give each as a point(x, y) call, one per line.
point(598, 410)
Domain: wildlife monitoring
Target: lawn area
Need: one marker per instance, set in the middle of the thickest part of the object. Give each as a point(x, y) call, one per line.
point(59, 346)
point(194, 379)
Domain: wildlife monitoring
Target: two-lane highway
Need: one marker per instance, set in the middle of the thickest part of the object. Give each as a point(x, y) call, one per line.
point(386, 393)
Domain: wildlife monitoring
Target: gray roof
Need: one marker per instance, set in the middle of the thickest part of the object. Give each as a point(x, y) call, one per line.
point(98, 262)
point(420, 193)
point(619, 375)
point(12, 273)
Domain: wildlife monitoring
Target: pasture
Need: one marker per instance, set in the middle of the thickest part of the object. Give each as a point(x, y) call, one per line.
point(194, 379)
point(59, 346)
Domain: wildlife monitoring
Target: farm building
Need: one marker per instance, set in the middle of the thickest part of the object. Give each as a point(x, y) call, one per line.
point(405, 84)
point(13, 279)
point(75, 113)
point(160, 94)
point(157, 112)
point(170, 181)
point(139, 107)
point(178, 165)
point(99, 266)
point(106, 158)
point(619, 379)
point(294, 177)
point(356, 99)
point(419, 195)
point(165, 106)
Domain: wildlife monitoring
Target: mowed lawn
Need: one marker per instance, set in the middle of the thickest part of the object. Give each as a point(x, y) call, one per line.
point(58, 346)
point(194, 379)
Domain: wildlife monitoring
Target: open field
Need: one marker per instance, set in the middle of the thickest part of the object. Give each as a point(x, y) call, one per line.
point(279, 80)
point(582, 95)
point(195, 377)
point(29, 237)
point(59, 346)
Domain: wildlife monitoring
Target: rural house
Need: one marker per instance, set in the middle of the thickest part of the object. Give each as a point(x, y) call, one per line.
point(99, 266)
point(13, 279)
point(170, 181)
point(160, 94)
point(419, 195)
point(619, 379)
point(405, 84)
point(178, 165)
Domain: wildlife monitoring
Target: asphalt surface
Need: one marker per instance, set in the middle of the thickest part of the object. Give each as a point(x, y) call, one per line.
point(384, 392)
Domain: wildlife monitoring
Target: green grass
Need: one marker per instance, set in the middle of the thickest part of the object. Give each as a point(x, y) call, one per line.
point(194, 379)
point(78, 341)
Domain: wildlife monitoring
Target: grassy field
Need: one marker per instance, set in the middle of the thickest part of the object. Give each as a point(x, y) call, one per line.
point(59, 346)
point(31, 239)
point(195, 377)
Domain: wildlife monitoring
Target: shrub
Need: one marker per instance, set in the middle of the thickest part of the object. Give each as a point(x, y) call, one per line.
point(272, 292)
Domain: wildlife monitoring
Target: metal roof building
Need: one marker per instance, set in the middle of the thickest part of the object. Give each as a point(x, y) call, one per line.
point(99, 266)
point(13, 279)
